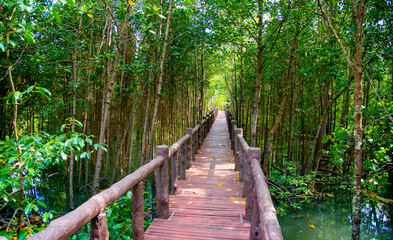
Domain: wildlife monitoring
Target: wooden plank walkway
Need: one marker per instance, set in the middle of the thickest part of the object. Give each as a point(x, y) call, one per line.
point(209, 202)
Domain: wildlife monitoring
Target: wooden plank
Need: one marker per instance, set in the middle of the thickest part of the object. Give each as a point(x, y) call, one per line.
point(209, 203)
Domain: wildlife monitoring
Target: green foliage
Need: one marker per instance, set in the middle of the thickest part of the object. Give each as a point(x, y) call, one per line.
point(291, 189)
point(39, 151)
point(119, 217)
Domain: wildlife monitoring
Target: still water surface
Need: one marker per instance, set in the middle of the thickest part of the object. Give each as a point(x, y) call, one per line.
point(331, 219)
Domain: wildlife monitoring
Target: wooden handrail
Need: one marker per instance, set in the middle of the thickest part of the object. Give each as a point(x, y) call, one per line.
point(260, 210)
point(94, 209)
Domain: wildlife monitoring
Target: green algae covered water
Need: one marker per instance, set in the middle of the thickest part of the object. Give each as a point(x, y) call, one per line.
point(331, 219)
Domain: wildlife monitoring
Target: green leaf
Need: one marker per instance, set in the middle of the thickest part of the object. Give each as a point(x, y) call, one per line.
point(30, 37)
point(23, 236)
point(28, 208)
point(44, 92)
point(63, 127)
point(2, 46)
point(78, 123)
point(63, 155)
point(17, 95)
point(29, 89)
point(57, 17)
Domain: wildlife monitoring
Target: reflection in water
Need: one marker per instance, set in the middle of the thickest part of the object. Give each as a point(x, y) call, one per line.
point(331, 219)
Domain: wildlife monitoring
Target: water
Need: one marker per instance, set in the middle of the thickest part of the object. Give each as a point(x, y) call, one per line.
point(331, 219)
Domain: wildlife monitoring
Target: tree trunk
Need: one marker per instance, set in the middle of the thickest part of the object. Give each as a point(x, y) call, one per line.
point(282, 108)
point(258, 82)
point(159, 84)
point(106, 103)
point(196, 85)
point(75, 63)
point(358, 8)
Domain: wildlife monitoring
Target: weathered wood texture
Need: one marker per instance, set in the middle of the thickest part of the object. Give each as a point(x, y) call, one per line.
point(260, 210)
point(209, 201)
point(137, 208)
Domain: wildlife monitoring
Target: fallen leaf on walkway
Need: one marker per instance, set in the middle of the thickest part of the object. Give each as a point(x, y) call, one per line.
point(170, 205)
point(224, 145)
point(184, 214)
point(232, 197)
point(195, 192)
point(220, 184)
point(198, 167)
point(243, 202)
point(189, 184)
point(189, 203)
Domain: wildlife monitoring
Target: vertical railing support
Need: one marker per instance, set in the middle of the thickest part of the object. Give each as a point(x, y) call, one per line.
point(182, 161)
point(163, 183)
point(239, 131)
point(99, 227)
point(137, 212)
point(189, 149)
point(175, 171)
point(252, 213)
point(233, 129)
point(198, 137)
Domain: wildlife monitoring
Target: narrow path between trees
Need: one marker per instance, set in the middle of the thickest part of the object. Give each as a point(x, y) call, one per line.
point(209, 203)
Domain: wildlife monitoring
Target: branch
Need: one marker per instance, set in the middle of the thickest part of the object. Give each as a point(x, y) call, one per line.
point(380, 100)
point(342, 48)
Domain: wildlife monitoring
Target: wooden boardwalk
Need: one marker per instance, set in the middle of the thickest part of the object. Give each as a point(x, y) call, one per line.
point(209, 203)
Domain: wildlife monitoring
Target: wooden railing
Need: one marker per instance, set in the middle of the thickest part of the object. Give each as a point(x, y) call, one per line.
point(93, 210)
point(260, 210)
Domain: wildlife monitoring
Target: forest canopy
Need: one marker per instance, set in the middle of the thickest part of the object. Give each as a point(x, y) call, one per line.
point(88, 88)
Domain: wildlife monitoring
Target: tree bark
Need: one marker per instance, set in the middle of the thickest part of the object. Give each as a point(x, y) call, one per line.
point(358, 8)
point(106, 104)
point(159, 84)
point(71, 166)
point(258, 81)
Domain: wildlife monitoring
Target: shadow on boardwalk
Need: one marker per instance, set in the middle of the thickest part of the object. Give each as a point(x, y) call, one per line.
point(209, 203)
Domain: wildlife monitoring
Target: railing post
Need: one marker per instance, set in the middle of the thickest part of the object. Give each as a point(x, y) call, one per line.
point(137, 212)
point(233, 129)
point(99, 227)
point(203, 122)
point(199, 136)
point(182, 160)
point(175, 171)
point(188, 150)
point(207, 124)
point(238, 132)
point(252, 213)
point(163, 183)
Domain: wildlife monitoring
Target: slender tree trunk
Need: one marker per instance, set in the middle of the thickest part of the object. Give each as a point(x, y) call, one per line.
point(75, 63)
point(258, 82)
point(146, 120)
point(15, 126)
point(359, 12)
point(106, 103)
point(202, 82)
point(282, 108)
point(358, 8)
point(196, 85)
point(131, 135)
point(159, 84)
point(86, 112)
